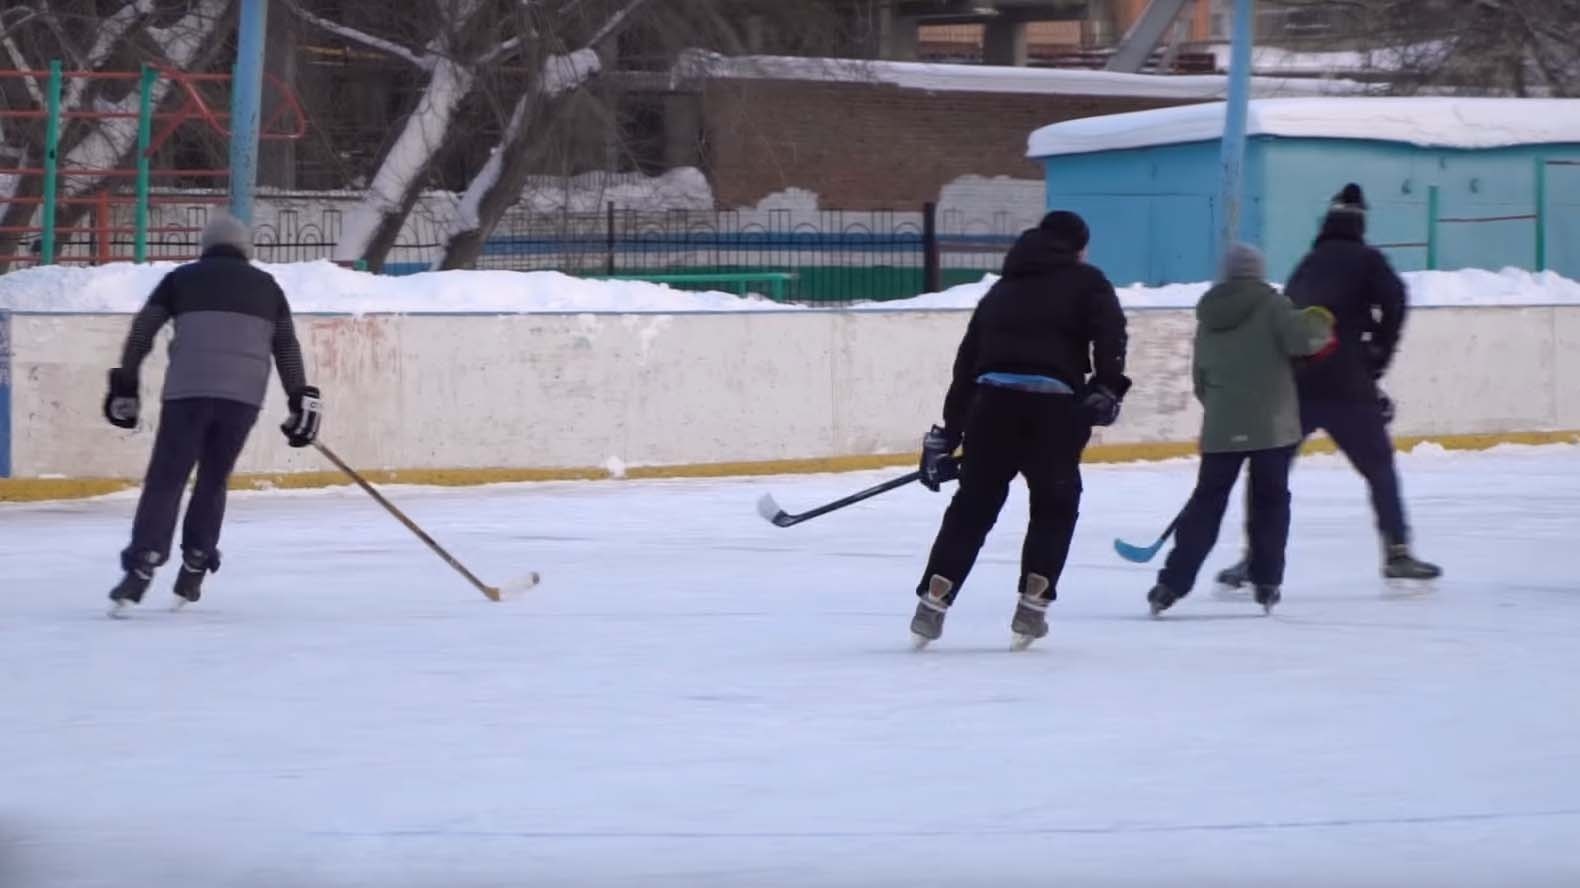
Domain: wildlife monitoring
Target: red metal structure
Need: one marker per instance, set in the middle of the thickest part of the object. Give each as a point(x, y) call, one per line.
point(189, 98)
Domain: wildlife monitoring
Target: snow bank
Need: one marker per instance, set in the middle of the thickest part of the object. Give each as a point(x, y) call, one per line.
point(1469, 287)
point(1429, 122)
point(934, 77)
point(323, 287)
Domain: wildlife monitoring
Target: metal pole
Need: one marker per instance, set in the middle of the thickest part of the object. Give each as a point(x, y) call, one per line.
point(1234, 121)
point(246, 97)
point(932, 275)
point(1541, 214)
point(145, 128)
point(1431, 228)
point(51, 163)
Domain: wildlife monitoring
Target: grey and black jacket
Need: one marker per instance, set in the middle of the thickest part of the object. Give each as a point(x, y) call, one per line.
point(229, 318)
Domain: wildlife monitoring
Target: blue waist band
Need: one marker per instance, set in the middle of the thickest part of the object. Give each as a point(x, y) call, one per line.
point(1025, 382)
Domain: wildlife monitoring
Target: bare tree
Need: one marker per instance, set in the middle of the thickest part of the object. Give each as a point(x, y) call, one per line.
point(1496, 47)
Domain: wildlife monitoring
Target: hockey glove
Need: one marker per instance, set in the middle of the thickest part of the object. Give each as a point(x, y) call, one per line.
point(938, 465)
point(307, 408)
point(1385, 407)
point(1101, 406)
point(121, 404)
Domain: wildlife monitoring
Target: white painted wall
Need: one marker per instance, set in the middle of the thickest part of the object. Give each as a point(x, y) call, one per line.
point(561, 391)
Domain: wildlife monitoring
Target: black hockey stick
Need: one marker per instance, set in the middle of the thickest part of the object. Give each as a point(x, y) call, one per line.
point(770, 510)
point(1143, 554)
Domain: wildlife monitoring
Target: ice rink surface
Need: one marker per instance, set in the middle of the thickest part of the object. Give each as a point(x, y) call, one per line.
point(696, 698)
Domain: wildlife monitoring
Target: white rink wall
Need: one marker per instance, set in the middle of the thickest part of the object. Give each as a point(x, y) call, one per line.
point(576, 391)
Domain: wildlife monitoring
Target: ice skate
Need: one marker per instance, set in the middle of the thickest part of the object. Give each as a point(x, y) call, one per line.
point(1031, 613)
point(1267, 596)
point(1236, 575)
point(1406, 573)
point(1161, 598)
point(189, 580)
point(129, 590)
point(928, 623)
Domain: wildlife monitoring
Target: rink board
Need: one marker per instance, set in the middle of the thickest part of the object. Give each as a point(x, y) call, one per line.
point(459, 399)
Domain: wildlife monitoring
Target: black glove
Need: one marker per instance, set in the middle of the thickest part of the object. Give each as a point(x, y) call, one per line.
point(121, 403)
point(1101, 406)
point(307, 408)
point(1385, 406)
point(938, 465)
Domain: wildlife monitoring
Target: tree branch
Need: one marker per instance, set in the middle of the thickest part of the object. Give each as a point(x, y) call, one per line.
point(425, 62)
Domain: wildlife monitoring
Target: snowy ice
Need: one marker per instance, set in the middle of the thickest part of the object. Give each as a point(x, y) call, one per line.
point(1430, 121)
point(323, 286)
point(696, 698)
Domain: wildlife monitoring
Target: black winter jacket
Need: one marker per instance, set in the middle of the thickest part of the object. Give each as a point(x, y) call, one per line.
point(230, 318)
point(1355, 282)
point(1050, 315)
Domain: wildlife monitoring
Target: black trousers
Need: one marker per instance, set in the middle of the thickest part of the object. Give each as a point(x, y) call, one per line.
point(207, 432)
point(1358, 430)
point(1267, 516)
point(1011, 433)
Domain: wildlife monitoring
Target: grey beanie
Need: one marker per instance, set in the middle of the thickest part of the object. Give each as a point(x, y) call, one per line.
point(1243, 261)
point(225, 230)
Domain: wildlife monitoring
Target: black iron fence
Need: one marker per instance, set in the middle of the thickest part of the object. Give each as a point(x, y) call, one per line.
point(808, 256)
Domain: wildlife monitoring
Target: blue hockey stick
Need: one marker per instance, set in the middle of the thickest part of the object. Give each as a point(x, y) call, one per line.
point(1143, 554)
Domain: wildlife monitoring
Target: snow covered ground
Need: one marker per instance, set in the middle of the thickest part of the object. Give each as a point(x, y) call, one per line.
point(323, 286)
point(697, 698)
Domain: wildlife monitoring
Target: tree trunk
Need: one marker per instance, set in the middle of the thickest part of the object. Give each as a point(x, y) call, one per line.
point(497, 186)
point(371, 227)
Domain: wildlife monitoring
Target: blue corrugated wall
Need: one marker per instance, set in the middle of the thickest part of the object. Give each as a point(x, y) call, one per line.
point(1153, 210)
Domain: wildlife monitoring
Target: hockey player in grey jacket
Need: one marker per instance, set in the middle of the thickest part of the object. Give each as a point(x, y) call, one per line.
point(230, 318)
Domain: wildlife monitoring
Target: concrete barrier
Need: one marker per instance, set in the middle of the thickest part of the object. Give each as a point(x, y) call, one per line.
point(469, 398)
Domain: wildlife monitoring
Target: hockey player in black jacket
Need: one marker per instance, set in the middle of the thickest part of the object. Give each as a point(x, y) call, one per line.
point(1339, 395)
point(1023, 404)
point(229, 319)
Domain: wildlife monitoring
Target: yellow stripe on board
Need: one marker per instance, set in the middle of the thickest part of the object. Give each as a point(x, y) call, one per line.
point(41, 489)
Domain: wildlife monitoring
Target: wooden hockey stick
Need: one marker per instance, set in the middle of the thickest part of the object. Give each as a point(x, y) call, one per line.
point(493, 593)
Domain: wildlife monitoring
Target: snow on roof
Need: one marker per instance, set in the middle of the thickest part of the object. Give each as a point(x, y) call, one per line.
point(1434, 122)
point(993, 79)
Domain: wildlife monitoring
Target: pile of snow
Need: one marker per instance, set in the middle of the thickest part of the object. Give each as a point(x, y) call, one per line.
point(1511, 286)
point(933, 77)
point(1428, 122)
point(323, 287)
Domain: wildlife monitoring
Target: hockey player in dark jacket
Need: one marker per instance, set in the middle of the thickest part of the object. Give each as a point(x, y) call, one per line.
point(1023, 404)
point(229, 319)
point(1339, 395)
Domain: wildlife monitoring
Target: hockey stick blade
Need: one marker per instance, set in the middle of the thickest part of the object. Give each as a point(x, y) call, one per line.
point(769, 509)
point(1137, 554)
point(1143, 554)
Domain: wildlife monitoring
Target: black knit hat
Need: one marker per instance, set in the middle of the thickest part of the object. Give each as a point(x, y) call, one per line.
point(1067, 230)
point(1350, 199)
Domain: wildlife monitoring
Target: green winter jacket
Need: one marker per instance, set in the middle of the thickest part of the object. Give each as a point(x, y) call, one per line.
point(1247, 333)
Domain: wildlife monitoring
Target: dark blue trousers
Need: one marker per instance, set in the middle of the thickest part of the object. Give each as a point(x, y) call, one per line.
point(1358, 430)
point(208, 433)
point(1267, 517)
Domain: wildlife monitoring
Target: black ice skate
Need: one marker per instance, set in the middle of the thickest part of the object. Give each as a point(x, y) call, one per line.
point(1161, 598)
point(189, 580)
point(1267, 596)
point(1236, 575)
point(1031, 613)
point(928, 623)
point(1403, 569)
point(130, 589)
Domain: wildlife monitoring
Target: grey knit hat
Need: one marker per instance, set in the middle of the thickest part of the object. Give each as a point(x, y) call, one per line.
point(1243, 261)
point(225, 230)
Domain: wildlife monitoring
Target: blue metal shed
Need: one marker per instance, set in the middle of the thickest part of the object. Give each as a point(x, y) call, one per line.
point(1452, 183)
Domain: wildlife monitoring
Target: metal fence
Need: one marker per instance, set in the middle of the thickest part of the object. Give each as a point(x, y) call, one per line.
point(812, 256)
